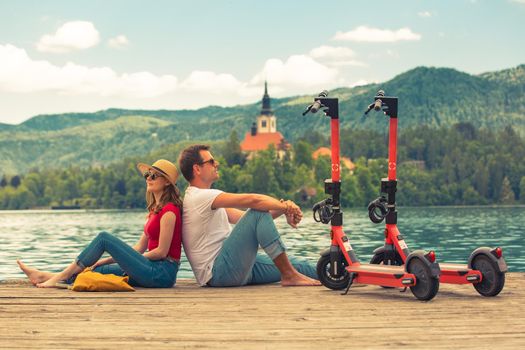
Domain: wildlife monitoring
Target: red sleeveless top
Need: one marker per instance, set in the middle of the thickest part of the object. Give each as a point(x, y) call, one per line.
point(152, 230)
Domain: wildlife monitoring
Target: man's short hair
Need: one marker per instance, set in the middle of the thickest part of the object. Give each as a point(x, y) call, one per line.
point(189, 157)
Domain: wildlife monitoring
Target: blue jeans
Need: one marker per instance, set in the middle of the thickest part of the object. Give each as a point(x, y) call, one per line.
point(142, 272)
point(239, 264)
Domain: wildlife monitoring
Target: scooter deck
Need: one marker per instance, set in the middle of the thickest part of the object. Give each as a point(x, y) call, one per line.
point(454, 267)
point(377, 268)
point(382, 275)
point(458, 274)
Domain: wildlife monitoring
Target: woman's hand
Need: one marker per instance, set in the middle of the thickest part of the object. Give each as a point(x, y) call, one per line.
point(100, 263)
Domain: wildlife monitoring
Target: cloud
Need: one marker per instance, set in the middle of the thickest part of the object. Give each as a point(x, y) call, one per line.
point(118, 42)
point(335, 56)
point(298, 71)
point(71, 36)
point(367, 34)
point(360, 82)
point(424, 14)
point(297, 74)
point(20, 74)
point(332, 52)
point(518, 1)
point(210, 82)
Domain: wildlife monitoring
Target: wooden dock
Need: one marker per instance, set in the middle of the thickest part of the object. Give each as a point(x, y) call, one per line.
point(262, 317)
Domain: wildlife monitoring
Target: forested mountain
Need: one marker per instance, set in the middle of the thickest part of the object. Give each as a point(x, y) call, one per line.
point(434, 97)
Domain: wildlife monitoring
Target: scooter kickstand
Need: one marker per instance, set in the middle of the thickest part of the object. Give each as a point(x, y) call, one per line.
point(350, 281)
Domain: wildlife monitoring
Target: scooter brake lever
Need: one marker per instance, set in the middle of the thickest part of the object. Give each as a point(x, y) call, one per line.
point(307, 109)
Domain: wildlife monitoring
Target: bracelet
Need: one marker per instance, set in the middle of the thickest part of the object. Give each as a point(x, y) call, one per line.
point(287, 210)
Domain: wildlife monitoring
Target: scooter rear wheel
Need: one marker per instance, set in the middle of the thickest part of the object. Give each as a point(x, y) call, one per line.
point(426, 286)
point(326, 277)
point(493, 280)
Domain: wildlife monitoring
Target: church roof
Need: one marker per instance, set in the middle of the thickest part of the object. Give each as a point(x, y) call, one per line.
point(261, 141)
point(324, 151)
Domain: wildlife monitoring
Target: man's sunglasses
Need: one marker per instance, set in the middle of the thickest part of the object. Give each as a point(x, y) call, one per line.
point(211, 161)
point(152, 176)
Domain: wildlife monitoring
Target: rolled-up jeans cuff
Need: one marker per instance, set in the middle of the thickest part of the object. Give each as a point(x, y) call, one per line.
point(275, 248)
point(80, 264)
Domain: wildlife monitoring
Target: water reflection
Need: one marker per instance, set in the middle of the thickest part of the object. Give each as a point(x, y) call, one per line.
point(52, 239)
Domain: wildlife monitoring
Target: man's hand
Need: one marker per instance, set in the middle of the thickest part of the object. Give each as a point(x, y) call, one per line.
point(293, 213)
point(292, 220)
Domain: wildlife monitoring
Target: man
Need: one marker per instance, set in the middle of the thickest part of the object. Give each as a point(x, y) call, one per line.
point(222, 257)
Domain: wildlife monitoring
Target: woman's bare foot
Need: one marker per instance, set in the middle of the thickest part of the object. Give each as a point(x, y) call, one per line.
point(61, 276)
point(298, 279)
point(34, 275)
point(51, 283)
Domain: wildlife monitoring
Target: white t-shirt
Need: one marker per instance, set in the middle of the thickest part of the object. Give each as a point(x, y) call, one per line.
point(203, 231)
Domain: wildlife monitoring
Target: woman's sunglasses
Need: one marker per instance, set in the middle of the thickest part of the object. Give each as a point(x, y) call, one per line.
point(152, 176)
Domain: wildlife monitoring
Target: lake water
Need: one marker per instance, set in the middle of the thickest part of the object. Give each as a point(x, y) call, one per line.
point(52, 239)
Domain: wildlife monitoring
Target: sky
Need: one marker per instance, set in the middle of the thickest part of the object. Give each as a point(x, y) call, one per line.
point(85, 56)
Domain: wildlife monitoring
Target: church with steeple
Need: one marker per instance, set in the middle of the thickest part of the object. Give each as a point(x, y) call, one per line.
point(264, 130)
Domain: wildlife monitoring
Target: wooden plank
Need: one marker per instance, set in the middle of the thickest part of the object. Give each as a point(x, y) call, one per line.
point(262, 317)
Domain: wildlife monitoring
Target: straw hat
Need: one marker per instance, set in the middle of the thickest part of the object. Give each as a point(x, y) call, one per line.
point(165, 167)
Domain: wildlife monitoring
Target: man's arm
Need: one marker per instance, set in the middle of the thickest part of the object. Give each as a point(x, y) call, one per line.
point(248, 200)
point(232, 202)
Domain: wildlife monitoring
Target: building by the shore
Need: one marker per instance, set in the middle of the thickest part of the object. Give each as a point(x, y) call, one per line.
point(264, 132)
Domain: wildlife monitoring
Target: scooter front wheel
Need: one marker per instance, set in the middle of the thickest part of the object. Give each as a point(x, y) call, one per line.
point(426, 286)
point(493, 279)
point(379, 258)
point(327, 279)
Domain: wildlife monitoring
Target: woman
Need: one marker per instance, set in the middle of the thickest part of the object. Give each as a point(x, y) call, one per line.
point(155, 268)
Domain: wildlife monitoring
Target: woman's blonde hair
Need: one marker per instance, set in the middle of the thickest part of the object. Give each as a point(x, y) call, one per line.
point(171, 194)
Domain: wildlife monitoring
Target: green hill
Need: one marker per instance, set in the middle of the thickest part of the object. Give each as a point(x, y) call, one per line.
point(427, 96)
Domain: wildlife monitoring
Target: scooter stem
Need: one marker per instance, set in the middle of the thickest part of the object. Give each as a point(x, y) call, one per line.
point(392, 149)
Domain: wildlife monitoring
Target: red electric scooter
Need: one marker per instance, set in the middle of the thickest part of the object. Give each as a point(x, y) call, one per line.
point(485, 268)
point(338, 266)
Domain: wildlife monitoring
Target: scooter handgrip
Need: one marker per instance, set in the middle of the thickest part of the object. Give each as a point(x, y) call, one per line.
point(377, 105)
point(317, 105)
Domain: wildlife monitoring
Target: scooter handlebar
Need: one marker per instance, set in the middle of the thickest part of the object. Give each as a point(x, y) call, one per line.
point(314, 108)
point(376, 106)
point(378, 103)
point(317, 104)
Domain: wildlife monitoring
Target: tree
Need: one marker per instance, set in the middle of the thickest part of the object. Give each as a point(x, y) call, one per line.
point(232, 151)
point(522, 190)
point(368, 189)
point(481, 179)
point(120, 187)
point(35, 184)
point(3, 182)
point(507, 194)
point(303, 154)
point(323, 168)
point(15, 181)
point(262, 171)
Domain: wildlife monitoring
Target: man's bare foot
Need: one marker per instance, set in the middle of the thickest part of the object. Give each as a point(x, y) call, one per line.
point(34, 275)
point(51, 283)
point(299, 280)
